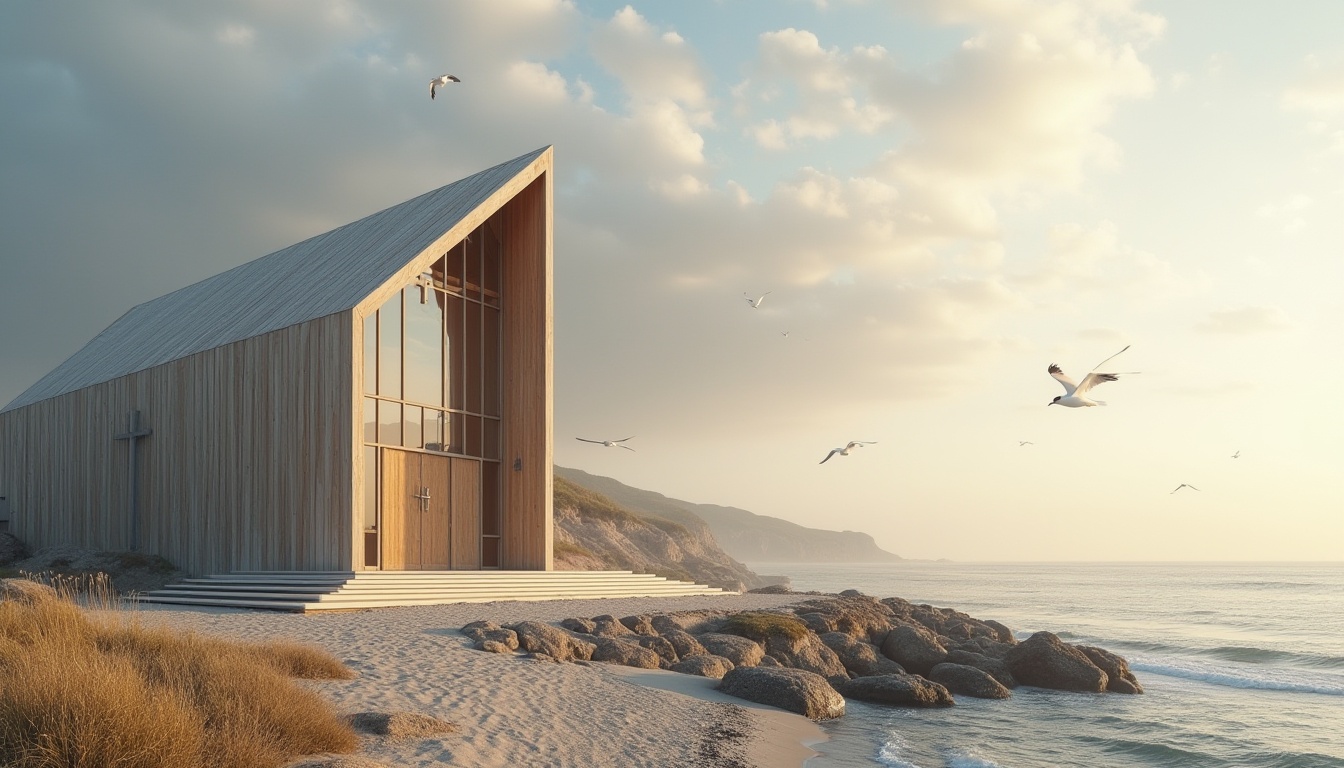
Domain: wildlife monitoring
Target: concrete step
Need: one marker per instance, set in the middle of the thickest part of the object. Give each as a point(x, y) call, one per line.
point(336, 590)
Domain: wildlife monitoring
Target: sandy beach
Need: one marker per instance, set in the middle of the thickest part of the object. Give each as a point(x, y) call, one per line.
point(511, 711)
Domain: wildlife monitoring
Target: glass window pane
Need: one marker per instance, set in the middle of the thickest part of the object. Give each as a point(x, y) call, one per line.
point(475, 249)
point(389, 348)
point(473, 446)
point(435, 426)
point(371, 354)
point(490, 498)
point(472, 370)
point(389, 423)
point(490, 362)
point(370, 420)
point(437, 270)
point(370, 487)
point(457, 427)
point(494, 255)
point(413, 417)
point(424, 345)
point(490, 439)
point(452, 276)
point(457, 360)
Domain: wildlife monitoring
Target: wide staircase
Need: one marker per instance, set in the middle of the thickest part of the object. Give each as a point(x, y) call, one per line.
point(308, 591)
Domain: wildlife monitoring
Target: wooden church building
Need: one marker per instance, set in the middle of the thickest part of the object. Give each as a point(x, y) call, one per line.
point(376, 398)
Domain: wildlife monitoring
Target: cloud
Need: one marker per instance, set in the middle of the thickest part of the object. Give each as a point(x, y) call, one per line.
point(1319, 90)
point(1245, 321)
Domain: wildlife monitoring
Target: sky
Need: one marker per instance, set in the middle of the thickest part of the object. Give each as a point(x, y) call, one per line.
point(942, 197)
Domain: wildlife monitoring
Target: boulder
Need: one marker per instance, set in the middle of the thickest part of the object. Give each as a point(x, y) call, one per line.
point(807, 652)
point(860, 659)
point(625, 653)
point(541, 638)
point(862, 617)
point(739, 650)
point(773, 589)
point(704, 665)
point(852, 593)
point(901, 690)
point(819, 623)
point(694, 622)
point(1118, 677)
point(959, 678)
point(488, 631)
point(640, 625)
point(1003, 634)
point(607, 625)
point(795, 690)
point(578, 624)
point(659, 645)
point(913, 647)
point(11, 550)
point(492, 646)
point(1045, 661)
point(997, 668)
point(984, 645)
point(684, 643)
point(769, 661)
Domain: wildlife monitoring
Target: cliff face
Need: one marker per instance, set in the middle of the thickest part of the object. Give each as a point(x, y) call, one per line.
point(593, 533)
point(741, 534)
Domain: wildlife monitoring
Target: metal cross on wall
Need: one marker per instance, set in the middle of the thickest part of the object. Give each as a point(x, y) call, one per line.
point(133, 432)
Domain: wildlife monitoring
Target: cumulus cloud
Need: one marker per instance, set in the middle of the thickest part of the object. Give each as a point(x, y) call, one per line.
point(1245, 321)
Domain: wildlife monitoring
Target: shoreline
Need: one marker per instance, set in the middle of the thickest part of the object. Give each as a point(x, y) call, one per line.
point(514, 711)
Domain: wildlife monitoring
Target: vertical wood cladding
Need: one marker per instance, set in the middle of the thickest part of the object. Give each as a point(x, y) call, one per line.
point(527, 452)
point(248, 467)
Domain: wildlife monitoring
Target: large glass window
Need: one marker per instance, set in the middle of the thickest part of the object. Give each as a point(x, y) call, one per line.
point(432, 376)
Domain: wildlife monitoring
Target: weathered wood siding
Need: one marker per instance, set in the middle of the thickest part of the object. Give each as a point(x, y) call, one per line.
point(528, 375)
point(249, 465)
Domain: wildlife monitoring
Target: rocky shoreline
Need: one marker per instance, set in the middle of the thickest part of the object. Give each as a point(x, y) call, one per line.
point(810, 656)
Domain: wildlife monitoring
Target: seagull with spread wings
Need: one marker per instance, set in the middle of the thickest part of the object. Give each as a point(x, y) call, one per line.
point(1237, 455)
point(756, 302)
point(1075, 394)
point(845, 451)
point(1185, 485)
point(609, 443)
point(441, 81)
point(1021, 443)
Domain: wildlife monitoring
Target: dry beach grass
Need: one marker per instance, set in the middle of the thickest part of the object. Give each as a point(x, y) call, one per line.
point(97, 688)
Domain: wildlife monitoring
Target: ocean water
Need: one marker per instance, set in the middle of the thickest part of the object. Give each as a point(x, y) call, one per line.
point(1242, 664)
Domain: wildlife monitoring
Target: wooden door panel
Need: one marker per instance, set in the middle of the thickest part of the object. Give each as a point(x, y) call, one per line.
point(435, 474)
point(466, 514)
point(396, 506)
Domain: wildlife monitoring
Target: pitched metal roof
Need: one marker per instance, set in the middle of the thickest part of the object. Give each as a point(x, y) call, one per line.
point(329, 273)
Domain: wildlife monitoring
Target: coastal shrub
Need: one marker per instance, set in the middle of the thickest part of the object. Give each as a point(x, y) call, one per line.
point(100, 689)
point(760, 626)
point(569, 549)
point(568, 495)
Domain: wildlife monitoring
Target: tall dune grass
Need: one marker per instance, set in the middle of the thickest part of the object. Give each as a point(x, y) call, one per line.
point(82, 689)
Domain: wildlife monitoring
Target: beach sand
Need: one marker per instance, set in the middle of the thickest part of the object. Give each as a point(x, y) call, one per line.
point(511, 711)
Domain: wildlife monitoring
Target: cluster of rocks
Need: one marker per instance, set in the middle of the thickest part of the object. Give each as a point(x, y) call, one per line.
point(810, 656)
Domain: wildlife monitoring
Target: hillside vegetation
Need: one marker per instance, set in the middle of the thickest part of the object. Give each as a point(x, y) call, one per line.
point(743, 536)
point(594, 533)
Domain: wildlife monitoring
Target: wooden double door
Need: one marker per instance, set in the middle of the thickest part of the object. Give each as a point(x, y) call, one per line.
point(431, 512)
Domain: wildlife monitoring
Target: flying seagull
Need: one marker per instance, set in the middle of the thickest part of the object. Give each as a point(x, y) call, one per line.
point(1075, 394)
point(1185, 485)
point(440, 81)
point(1021, 443)
point(845, 451)
point(1236, 455)
point(609, 443)
point(756, 302)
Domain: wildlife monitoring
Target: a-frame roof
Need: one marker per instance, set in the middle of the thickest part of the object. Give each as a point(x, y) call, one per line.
point(329, 273)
